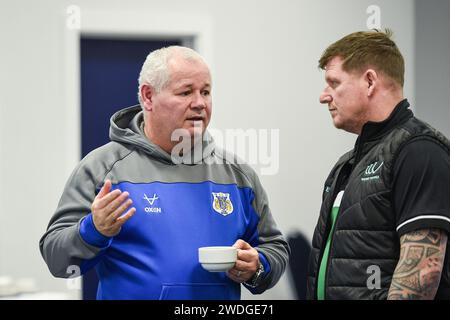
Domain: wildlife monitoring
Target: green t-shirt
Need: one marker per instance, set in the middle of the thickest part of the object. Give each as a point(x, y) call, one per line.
point(323, 263)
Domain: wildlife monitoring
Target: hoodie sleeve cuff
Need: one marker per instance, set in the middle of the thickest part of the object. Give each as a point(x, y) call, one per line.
point(265, 264)
point(90, 234)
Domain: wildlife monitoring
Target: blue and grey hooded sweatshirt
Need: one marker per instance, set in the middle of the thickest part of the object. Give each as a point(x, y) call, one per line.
point(179, 208)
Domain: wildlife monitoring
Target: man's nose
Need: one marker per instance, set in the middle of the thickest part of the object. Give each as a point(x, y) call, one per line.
point(199, 101)
point(325, 97)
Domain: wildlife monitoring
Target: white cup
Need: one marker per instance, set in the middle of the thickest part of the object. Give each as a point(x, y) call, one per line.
point(217, 259)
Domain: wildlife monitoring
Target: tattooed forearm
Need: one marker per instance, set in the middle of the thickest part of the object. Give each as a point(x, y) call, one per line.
point(419, 268)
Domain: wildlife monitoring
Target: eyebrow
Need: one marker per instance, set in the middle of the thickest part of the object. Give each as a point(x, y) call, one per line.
point(189, 85)
point(330, 78)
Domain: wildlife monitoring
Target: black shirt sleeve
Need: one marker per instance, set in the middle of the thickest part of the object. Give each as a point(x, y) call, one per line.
point(421, 187)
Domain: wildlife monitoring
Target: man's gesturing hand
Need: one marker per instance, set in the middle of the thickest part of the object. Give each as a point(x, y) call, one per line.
point(107, 210)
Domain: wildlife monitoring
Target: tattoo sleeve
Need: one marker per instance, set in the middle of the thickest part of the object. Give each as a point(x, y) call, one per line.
point(419, 268)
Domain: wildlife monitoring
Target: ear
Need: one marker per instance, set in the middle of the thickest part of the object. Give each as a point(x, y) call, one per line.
point(147, 96)
point(371, 79)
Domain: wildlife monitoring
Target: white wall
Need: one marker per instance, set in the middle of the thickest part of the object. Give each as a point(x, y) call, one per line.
point(265, 77)
point(32, 134)
point(432, 65)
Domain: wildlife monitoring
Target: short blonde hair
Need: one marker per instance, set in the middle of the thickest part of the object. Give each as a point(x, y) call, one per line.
point(362, 49)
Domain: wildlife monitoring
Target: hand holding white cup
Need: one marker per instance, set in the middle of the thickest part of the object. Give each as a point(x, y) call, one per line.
point(239, 261)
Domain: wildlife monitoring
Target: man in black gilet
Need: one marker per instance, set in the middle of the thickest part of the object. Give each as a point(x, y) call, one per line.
point(383, 228)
